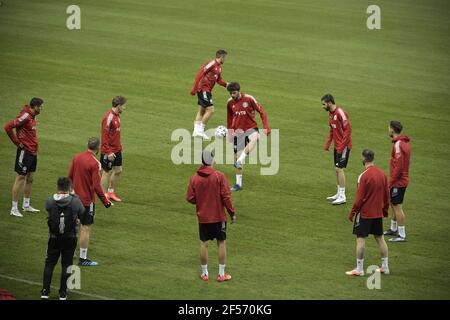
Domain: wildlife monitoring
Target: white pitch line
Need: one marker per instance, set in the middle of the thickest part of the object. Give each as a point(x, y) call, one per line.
point(71, 291)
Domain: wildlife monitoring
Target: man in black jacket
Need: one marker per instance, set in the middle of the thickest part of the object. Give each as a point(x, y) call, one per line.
point(64, 211)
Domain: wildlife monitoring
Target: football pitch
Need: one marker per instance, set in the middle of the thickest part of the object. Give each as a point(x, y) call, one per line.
point(288, 242)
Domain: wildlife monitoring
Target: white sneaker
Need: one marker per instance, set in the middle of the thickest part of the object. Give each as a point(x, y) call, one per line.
point(30, 209)
point(339, 200)
point(397, 239)
point(16, 213)
point(333, 197)
point(355, 273)
point(382, 270)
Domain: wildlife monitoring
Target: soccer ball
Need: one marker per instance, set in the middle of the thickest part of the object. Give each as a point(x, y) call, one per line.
point(221, 132)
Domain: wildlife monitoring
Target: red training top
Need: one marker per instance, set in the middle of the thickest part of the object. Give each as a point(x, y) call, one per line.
point(111, 133)
point(400, 162)
point(25, 125)
point(208, 189)
point(340, 130)
point(207, 77)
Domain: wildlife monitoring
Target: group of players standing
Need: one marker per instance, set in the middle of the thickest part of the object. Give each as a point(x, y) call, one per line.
point(374, 192)
point(87, 176)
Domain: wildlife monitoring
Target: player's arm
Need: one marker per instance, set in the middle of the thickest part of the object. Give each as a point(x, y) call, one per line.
point(190, 194)
point(225, 194)
point(14, 124)
point(347, 130)
point(360, 198)
point(222, 82)
point(199, 76)
point(397, 167)
point(105, 135)
point(71, 170)
point(263, 116)
point(386, 198)
point(330, 139)
point(95, 174)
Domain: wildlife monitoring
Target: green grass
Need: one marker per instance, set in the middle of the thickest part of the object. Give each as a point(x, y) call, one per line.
point(288, 243)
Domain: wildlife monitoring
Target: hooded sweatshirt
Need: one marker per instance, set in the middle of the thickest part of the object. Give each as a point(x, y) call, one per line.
point(63, 200)
point(400, 162)
point(209, 190)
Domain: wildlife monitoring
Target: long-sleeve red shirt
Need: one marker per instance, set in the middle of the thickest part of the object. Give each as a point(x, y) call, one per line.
point(400, 162)
point(208, 189)
point(372, 195)
point(340, 130)
point(25, 125)
point(241, 113)
point(111, 133)
point(207, 77)
point(85, 175)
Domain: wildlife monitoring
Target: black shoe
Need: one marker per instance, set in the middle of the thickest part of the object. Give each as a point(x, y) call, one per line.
point(390, 233)
point(62, 296)
point(45, 294)
point(87, 263)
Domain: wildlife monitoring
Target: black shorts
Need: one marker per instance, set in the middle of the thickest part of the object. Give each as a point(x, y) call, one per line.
point(25, 162)
point(88, 217)
point(341, 159)
point(397, 195)
point(241, 140)
point(107, 165)
point(363, 227)
point(204, 99)
point(211, 231)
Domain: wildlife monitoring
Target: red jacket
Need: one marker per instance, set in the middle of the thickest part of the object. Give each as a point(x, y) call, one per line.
point(85, 175)
point(372, 195)
point(241, 114)
point(208, 189)
point(340, 130)
point(207, 77)
point(25, 125)
point(400, 162)
point(111, 133)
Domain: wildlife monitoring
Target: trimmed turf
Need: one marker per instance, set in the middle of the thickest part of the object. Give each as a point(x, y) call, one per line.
point(288, 242)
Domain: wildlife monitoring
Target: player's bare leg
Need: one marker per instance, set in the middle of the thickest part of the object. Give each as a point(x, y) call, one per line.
point(399, 218)
point(222, 251)
point(340, 177)
point(105, 180)
point(85, 232)
point(204, 260)
point(360, 247)
point(18, 183)
point(382, 245)
point(198, 121)
point(116, 172)
point(29, 178)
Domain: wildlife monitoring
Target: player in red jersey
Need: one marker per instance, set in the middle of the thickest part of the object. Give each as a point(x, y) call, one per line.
point(26, 140)
point(243, 130)
point(111, 149)
point(204, 82)
point(208, 189)
point(85, 175)
point(370, 206)
point(340, 133)
point(399, 180)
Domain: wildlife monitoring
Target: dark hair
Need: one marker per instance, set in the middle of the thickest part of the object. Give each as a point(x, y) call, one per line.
point(233, 86)
point(118, 101)
point(93, 143)
point(221, 53)
point(64, 184)
point(396, 126)
point(327, 98)
point(207, 157)
point(368, 155)
point(36, 102)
